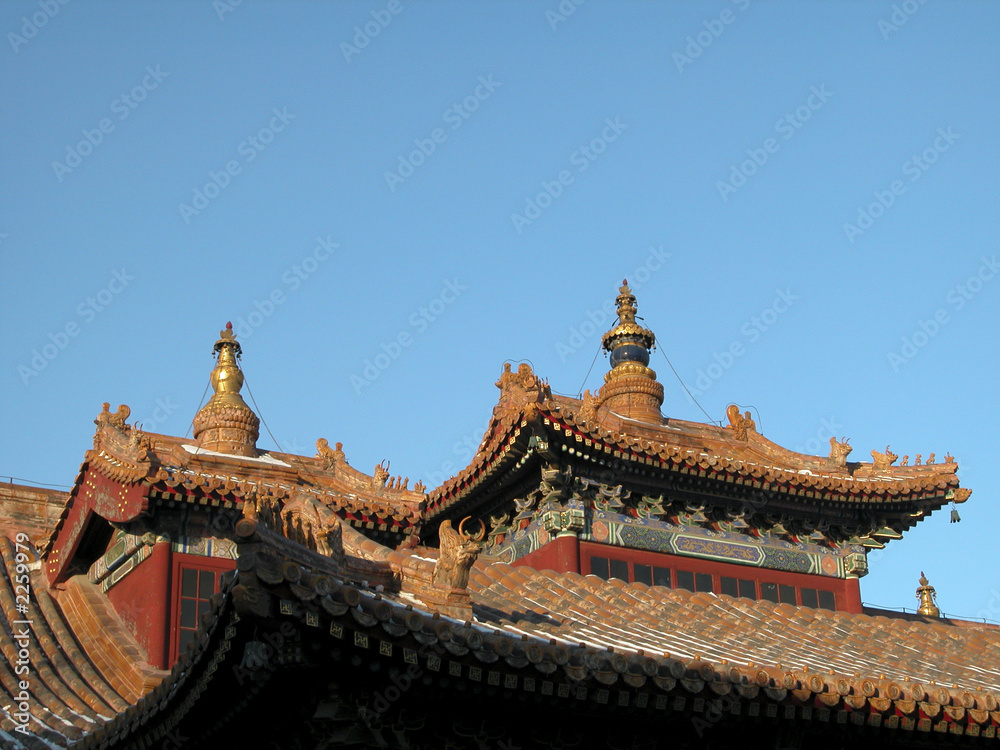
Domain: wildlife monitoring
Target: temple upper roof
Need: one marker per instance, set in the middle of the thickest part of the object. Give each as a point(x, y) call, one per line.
point(619, 435)
point(736, 453)
point(129, 471)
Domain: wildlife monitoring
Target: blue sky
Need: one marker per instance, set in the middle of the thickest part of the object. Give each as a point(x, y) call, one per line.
point(390, 199)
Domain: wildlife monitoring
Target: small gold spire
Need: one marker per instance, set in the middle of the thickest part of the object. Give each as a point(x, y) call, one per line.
point(226, 424)
point(927, 596)
point(227, 378)
point(630, 386)
point(627, 331)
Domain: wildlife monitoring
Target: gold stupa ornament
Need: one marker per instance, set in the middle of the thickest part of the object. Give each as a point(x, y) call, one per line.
point(630, 386)
point(927, 596)
point(226, 424)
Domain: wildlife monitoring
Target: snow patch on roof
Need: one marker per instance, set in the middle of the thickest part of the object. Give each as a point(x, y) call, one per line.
point(267, 458)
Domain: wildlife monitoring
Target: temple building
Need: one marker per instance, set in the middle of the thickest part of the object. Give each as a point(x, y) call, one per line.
point(599, 576)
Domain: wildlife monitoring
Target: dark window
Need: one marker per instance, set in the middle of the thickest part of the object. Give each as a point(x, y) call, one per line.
point(729, 586)
point(188, 619)
point(685, 580)
point(769, 592)
point(661, 577)
point(643, 574)
point(599, 567)
point(748, 589)
point(619, 569)
point(189, 583)
point(809, 598)
point(703, 582)
point(826, 600)
point(786, 593)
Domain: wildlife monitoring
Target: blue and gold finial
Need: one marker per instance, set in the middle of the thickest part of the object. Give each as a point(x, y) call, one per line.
point(630, 386)
point(628, 341)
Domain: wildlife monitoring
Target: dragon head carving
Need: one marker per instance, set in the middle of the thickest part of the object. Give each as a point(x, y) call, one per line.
point(459, 550)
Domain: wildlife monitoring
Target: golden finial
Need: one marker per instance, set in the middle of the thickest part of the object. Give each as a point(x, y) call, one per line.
point(927, 596)
point(630, 387)
point(628, 331)
point(226, 424)
point(626, 303)
point(227, 378)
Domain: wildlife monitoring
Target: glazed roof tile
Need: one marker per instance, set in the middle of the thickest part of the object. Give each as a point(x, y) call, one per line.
point(791, 643)
point(83, 667)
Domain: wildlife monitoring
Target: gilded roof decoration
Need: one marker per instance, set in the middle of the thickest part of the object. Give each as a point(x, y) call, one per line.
point(627, 328)
point(333, 455)
point(839, 451)
point(121, 451)
point(630, 386)
point(927, 597)
point(883, 461)
point(226, 424)
point(459, 550)
point(741, 425)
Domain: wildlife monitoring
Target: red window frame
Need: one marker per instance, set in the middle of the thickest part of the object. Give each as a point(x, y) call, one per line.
point(199, 564)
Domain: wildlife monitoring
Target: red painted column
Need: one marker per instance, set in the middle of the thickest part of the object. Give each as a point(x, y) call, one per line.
point(852, 596)
point(160, 635)
point(567, 552)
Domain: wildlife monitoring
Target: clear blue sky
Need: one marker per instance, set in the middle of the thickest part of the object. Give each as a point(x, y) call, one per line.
point(477, 178)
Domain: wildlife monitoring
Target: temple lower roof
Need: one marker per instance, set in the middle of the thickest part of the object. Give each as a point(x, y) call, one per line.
point(650, 647)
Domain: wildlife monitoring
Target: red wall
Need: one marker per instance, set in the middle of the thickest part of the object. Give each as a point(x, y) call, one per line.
point(562, 555)
point(142, 600)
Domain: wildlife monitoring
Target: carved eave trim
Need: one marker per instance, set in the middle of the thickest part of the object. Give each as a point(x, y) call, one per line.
point(522, 395)
point(506, 450)
point(186, 486)
point(117, 469)
point(751, 465)
point(122, 455)
point(72, 500)
point(900, 485)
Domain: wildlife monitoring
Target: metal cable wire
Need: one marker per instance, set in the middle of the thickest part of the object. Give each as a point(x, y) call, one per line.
point(37, 484)
point(201, 403)
point(262, 420)
point(674, 371)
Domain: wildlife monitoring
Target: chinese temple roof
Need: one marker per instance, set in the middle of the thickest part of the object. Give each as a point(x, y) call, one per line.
point(176, 470)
